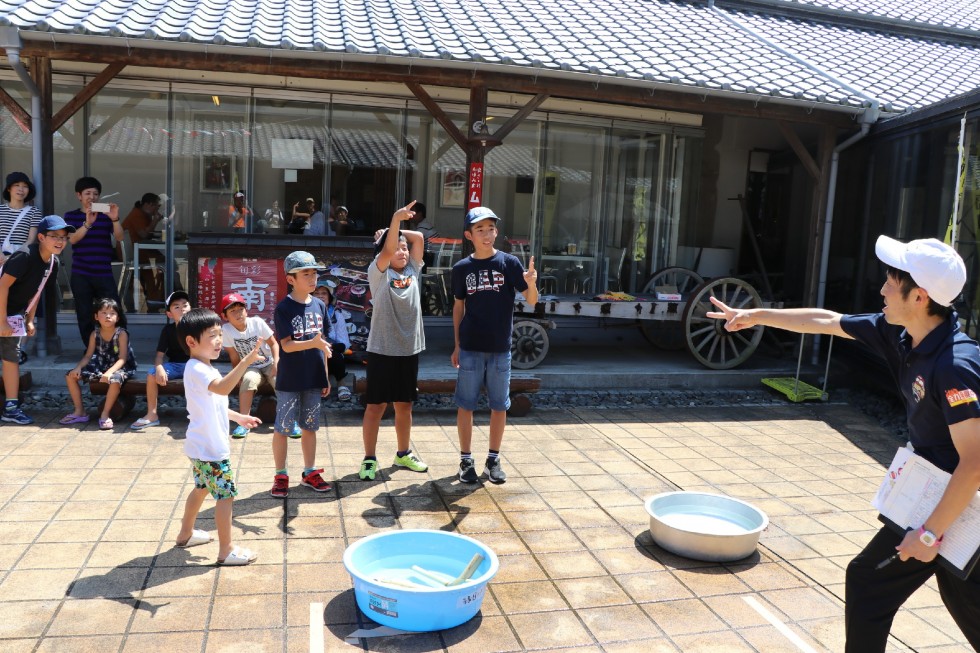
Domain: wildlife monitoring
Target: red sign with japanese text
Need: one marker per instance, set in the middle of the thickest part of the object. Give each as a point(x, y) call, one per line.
point(474, 195)
point(261, 281)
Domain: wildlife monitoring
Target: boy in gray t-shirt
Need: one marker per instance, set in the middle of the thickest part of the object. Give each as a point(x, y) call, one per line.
point(395, 340)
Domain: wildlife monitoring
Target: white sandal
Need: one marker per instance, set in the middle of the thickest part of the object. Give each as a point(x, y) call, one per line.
point(197, 537)
point(238, 557)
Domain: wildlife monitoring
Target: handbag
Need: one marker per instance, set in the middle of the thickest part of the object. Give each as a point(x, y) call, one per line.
point(17, 322)
point(5, 248)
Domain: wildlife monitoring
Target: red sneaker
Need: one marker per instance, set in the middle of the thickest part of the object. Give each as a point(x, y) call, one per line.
point(315, 481)
point(280, 486)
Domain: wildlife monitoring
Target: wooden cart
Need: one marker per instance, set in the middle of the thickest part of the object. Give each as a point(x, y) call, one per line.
point(666, 324)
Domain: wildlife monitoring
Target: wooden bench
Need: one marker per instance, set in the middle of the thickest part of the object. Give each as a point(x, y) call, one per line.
point(265, 410)
point(520, 387)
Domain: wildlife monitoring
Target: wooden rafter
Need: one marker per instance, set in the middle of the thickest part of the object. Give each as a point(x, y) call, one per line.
point(20, 115)
point(437, 113)
point(86, 94)
point(519, 117)
point(800, 149)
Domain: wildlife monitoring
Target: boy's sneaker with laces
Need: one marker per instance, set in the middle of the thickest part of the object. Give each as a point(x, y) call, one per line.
point(314, 481)
point(16, 415)
point(494, 471)
point(296, 432)
point(280, 486)
point(239, 432)
point(369, 469)
point(412, 461)
point(467, 471)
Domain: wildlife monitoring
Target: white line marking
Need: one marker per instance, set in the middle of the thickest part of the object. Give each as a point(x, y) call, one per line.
point(316, 628)
point(779, 625)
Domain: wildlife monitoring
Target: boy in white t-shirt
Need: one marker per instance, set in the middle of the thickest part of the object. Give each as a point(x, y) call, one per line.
point(239, 335)
point(207, 443)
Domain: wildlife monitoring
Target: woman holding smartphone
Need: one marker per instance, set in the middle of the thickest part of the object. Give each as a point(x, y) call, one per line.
point(92, 251)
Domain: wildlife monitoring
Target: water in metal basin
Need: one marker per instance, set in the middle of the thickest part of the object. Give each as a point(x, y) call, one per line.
point(701, 523)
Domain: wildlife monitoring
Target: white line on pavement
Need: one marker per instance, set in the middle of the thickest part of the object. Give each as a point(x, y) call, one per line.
point(779, 625)
point(316, 628)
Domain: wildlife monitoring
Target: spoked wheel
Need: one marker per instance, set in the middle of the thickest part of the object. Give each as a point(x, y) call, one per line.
point(528, 344)
point(706, 338)
point(668, 334)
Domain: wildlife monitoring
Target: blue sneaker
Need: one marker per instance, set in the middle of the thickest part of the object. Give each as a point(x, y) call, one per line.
point(239, 432)
point(16, 415)
point(297, 433)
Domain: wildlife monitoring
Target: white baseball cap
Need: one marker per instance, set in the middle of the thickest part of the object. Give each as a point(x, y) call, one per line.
point(934, 266)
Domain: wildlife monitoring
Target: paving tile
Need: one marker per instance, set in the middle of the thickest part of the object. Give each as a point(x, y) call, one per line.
point(50, 555)
point(557, 630)
point(592, 592)
point(25, 619)
point(117, 583)
point(519, 567)
point(710, 581)
point(489, 634)
point(93, 616)
point(257, 641)
point(573, 564)
point(247, 611)
point(36, 584)
point(719, 642)
point(620, 623)
point(532, 596)
point(142, 642)
point(317, 577)
point(653, 586)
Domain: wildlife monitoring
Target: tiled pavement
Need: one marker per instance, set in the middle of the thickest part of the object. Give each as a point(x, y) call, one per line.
point(87, 521)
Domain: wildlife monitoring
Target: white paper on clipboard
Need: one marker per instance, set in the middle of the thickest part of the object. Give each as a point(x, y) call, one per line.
point(910, 492)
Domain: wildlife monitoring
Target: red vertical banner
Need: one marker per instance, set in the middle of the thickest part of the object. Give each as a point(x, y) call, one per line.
point(474, 194)
point(260, 281)
point(207, 283)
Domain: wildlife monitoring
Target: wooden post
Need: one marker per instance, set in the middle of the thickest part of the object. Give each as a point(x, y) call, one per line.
point(41, 73)
point(818, 212)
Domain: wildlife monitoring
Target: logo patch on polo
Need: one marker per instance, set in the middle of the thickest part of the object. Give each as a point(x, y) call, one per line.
point(959, 397)
point(919, 388)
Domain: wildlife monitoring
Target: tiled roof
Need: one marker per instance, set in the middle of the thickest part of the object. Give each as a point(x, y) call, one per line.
point(687, 44)
point(960, 14)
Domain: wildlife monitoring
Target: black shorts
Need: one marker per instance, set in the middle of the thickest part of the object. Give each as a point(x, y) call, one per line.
point(391, 378)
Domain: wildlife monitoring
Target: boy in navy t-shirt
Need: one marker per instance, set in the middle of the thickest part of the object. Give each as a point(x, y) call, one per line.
point(484, 286)
point(301, 325)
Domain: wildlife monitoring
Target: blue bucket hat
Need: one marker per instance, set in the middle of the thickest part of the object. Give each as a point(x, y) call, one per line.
point(478, 213)
point(301, 260)
point(53, 223)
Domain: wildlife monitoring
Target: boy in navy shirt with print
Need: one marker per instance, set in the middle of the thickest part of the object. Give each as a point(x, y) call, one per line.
point(301, 325)
point(484, 286)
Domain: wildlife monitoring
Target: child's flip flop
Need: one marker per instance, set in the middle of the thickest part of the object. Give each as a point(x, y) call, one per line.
point(143, 423)
point(72, 418)
point(105, 424)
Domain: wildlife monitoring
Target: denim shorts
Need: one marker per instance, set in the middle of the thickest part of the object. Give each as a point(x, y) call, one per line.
point(302, 407)
point(174, 371)
point(479, 370)
point(215, 477)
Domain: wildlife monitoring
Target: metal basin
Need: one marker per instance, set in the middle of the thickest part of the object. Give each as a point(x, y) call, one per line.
point(705, 526)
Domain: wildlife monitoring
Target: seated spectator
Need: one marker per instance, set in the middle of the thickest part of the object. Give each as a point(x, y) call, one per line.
point(168, 346)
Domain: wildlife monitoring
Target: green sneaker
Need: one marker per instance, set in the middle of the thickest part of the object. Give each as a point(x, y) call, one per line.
point(239, 432)
point(412, 461)
point(296, 432)
point(369, 468)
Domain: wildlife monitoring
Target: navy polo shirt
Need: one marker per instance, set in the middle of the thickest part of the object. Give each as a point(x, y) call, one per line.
point(939, 380)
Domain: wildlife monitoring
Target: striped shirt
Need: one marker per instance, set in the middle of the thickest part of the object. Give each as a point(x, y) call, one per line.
point(8, 216)
point(92, 255)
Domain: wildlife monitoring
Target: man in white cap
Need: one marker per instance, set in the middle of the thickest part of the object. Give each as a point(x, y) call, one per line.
point(938, 371)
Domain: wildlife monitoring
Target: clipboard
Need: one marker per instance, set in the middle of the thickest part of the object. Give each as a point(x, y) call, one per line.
point(910, 491)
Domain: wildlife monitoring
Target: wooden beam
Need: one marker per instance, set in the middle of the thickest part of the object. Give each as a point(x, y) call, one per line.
point(20, 115)
point(114, 118)
point(519, 117)
point(800, 149)
point(526, 83)
point(436, 111)
point(86, 94)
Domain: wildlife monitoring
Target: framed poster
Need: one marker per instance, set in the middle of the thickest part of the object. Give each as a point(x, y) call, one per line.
point(217, 173)
point(453, 194)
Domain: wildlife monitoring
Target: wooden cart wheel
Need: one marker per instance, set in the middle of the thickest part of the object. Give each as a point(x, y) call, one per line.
point(528, 344)
point(706, 338)
point(668, 334)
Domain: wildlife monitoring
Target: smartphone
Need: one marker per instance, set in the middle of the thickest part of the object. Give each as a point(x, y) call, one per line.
point(100, 207)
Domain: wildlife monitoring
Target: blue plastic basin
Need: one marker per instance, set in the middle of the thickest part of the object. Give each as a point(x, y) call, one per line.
point(378, 559)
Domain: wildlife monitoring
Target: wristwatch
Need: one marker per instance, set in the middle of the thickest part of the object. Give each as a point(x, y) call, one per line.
point(928, 537)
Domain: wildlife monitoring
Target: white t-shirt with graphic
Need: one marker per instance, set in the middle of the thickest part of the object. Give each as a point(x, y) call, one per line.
point(244, 341)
